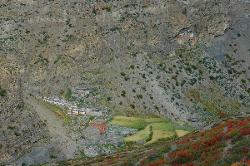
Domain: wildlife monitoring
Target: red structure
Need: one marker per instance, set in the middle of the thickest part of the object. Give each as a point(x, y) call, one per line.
point(101, 125)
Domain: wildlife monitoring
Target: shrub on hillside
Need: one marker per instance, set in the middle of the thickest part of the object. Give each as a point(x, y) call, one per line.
point(3, 92)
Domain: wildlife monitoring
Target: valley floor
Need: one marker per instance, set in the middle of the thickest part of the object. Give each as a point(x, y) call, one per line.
point(225, 144)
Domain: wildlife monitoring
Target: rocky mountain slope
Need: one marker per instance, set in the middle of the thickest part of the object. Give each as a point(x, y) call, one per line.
point(20, 127)
point(183, 60)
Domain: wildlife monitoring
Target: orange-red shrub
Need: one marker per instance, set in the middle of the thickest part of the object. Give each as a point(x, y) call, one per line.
point(243, 123)
point(245, 131)
point(180, 154)
point(157, 162)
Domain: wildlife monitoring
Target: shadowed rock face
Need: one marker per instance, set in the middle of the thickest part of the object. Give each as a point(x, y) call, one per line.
point(141, 57)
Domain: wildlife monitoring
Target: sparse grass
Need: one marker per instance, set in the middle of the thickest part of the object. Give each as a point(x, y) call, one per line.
point(164, 126)
point(213, 101)
point(162, 130)
point(181, 133)
point(154, 120)
point(135, 122)
point(131, 122)
point(160, 134)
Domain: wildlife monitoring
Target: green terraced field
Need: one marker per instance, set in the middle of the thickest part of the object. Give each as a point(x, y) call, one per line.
point(150, 129)
point(142, 135)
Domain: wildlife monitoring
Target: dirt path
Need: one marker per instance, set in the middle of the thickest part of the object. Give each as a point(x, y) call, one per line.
point(59, 134)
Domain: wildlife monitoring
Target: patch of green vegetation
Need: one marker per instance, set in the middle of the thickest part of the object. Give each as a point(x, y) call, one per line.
point(132, 106)
point(162, 130)
point(107, 8)
point(248, 90)
point(44, 40)
point(160, 134)
point(142, 135)
point(63, 163)
point(82, 155)
point(11, 127)
point(131, 122)
point(110, 146)
point(162, 66)
point(123, 74)
point(154, 129)
point(59, 112)
point(123, 94)
point(69, 38)
point(164, 126)
point(41, 60)
point(180, 133)
point(150, 134)
point(67, 94)
point(243, 81)
point(208, 147)
point(212, 100)
point(114, 29)
point(139, 96)
point(132, 66)
point(58, 58)
point(91, 118)
point(155, 120)
point(189, 54)
point(3, 92)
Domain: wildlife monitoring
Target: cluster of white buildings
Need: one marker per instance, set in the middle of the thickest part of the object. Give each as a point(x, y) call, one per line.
point(56, 101)
point(72, 108)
